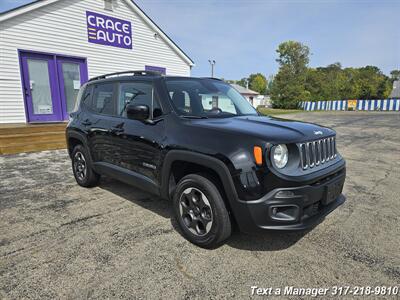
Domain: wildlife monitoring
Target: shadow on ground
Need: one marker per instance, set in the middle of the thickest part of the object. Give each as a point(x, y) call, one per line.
point(268, 241)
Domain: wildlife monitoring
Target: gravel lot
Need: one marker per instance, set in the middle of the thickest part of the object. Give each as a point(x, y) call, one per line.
point(58, 240)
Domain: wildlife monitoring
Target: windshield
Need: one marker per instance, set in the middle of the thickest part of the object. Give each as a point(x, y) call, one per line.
point(206, 98)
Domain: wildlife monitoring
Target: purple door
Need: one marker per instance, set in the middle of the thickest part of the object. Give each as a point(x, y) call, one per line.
point(72, 73)
point(51, 84)
point(40, 87)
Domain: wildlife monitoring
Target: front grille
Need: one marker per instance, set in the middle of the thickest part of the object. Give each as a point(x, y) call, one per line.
point(318, 152)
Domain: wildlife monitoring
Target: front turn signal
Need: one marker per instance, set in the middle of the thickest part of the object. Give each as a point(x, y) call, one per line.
point(257, 152)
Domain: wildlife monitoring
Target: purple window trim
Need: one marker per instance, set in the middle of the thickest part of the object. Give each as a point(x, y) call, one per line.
point(109, 31)
point(61, 114)
point(155, 68)
point(55, 116)
point(60, 78)
point(21, 73)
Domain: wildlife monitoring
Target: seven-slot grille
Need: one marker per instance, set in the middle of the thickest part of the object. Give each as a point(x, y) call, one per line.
point(317, 152)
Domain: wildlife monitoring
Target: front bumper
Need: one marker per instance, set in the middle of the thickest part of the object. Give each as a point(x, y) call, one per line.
point(294, 208)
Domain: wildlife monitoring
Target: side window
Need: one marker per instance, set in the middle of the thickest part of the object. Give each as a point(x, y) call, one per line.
point(86, 96)
point(103, 102)
point(83, 97)
point(138, 93)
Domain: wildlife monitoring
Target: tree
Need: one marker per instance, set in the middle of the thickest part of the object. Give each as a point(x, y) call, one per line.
point(242, 82)
point(270, 82)
point(376, 82)
point(334, 83)
point(258, 83)
point(288, 87)
point(294, 55)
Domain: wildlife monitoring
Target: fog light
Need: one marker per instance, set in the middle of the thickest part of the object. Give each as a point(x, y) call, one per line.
point(284, 213)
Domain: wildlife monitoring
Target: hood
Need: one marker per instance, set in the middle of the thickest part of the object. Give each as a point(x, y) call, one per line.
point(268, 128)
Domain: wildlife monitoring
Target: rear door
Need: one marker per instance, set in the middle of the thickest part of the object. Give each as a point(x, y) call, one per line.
point(101, 123)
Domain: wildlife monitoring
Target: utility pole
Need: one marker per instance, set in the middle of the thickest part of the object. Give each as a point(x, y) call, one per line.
point(212, 63)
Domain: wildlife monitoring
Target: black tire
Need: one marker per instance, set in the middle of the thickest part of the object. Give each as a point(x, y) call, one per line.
point(84, 177)
point(194, 218)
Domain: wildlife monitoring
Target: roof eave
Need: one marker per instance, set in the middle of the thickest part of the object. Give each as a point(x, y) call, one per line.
point(40, 3)
point(24, 9)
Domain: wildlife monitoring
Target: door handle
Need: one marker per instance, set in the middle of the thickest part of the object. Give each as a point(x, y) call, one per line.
point(87, 122)
point(117, 130)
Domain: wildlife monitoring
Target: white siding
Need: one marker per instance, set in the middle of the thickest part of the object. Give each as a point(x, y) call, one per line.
point(60, 28)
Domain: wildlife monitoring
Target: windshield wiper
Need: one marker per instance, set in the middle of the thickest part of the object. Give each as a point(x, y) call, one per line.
point(193, 117)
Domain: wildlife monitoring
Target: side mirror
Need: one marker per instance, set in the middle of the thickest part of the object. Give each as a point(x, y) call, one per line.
point(137, 112)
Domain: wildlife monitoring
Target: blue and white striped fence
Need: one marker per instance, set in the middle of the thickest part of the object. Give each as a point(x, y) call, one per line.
point(383, 104)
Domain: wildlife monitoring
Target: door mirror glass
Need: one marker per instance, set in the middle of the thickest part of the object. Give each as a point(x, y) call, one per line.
point(138, 112)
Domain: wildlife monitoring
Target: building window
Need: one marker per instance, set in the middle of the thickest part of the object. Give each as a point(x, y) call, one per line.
point(108, 5)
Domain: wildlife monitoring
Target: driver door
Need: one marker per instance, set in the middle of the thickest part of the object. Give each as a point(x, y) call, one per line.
point(140, 142)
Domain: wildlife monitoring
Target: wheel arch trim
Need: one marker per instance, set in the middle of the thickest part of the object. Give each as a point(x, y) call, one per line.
point(79, 136)
point(201, 159)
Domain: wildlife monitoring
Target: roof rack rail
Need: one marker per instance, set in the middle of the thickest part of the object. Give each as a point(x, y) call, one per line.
point(134, 73)
point(212, 78)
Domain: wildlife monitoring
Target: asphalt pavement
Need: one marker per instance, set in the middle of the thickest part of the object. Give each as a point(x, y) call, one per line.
point(58, 240)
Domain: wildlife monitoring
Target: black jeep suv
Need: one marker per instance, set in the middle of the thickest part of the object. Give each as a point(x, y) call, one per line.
point(198, 142)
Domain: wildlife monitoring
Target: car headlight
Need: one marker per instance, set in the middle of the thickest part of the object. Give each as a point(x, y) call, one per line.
point(280, 155)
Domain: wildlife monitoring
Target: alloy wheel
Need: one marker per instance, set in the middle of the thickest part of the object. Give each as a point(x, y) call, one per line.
point(195, 211)
point(80, 165)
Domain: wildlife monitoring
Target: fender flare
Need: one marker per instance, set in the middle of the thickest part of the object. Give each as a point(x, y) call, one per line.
point(201, 159)
point(79, 136)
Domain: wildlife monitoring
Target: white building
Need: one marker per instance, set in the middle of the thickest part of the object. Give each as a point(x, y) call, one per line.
point(50, 47)
point(255, 98)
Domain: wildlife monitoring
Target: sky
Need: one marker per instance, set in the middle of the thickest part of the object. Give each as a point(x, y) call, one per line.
point(242, 36)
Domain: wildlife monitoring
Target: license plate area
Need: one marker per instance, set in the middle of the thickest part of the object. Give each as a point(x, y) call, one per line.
point(332, 191)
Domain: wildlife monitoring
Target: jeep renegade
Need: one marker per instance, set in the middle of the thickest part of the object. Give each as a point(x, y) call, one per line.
point(199, 143)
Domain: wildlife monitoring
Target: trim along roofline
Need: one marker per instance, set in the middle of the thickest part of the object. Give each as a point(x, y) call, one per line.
point(40, 3)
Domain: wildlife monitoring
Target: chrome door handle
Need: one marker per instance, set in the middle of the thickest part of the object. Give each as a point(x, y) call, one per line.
point(117, 130)
point(87, 122)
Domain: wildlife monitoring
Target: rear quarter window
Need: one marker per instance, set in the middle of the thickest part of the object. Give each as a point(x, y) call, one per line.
point(83, 97)
point(103, 101)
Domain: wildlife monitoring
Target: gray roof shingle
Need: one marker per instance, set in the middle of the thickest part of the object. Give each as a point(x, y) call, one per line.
point(243, 90)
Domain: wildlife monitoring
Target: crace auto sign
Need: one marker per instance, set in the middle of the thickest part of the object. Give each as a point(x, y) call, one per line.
point(108, 31)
